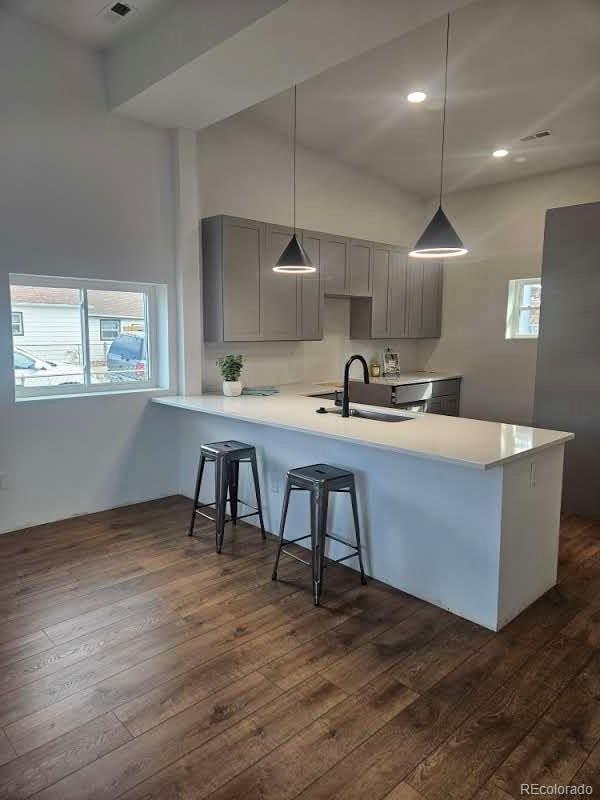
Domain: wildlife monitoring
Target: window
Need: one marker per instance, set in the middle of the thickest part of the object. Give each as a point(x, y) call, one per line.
point(109, 329)
point(523, 312)
point(17, 323)
point(84, 336)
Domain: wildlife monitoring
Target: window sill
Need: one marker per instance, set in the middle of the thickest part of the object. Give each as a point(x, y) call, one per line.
point(156, 391)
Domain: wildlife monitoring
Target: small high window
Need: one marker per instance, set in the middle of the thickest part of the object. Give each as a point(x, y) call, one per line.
point(523, 311)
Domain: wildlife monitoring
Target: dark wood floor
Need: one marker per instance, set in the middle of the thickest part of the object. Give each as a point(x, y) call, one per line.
point(137, 663)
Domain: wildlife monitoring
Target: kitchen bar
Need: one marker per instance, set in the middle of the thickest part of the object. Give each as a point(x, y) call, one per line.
point(461, 513)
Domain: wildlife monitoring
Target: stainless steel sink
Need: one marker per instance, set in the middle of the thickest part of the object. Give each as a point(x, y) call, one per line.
point(374, 415)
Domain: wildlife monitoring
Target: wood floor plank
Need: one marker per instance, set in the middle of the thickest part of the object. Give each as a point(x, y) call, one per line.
point(386, 758)
point(229, 743)
point(23, 647)
point(463, 764)
point(561, 741)
point(7, 751)
point(379, 614)
point(310, 753)
point(428, 664)
point(358, 668)
point(29, 774)
point(589, 774)
point(136, 663)
point(404, 792)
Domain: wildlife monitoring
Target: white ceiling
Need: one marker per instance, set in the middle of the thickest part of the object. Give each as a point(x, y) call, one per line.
point(85, 21)
point(515, 68)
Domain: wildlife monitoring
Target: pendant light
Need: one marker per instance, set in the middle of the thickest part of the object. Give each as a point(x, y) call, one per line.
point(294, 260)
point(439, 239)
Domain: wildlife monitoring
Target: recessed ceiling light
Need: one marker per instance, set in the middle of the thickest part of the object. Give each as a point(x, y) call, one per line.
point(416, 97)
point(520, 159)
point(500, 153)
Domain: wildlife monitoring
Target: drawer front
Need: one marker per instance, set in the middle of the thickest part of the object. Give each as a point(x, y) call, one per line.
point(451, 386)
point(412, 392)
point(450, 405)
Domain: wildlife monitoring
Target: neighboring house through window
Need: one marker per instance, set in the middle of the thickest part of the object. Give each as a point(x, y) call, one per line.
point(82, 336)
point(17, 323)
point(109, 329)
point(523, 311)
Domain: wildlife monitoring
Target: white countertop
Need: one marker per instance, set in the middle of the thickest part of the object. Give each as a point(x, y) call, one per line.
point(468, 442)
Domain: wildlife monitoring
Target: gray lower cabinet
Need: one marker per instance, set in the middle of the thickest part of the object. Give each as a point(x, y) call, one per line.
point(244, 299)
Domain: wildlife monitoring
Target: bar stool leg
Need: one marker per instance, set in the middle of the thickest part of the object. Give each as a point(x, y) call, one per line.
point(233, 479)
point(257, 493)
point(319, 506)
point(221, 480)
point(284, 510)
point(363, 578)
point(197, 493)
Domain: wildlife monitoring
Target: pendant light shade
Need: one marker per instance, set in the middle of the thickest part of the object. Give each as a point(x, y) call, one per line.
point(294, 260)
point(439, 239)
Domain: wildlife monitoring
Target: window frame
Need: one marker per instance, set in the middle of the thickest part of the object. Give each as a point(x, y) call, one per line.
point(109, 319)
point(152, 322)
point(19, 314)
point(514, 306)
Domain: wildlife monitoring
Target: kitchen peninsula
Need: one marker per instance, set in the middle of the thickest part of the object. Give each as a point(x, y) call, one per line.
point(462, 513)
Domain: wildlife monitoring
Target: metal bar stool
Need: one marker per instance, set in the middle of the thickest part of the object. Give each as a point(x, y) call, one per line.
point(227, 457)
point(319, 480)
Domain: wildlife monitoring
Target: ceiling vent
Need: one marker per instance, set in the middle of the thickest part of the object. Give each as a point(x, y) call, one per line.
point(538, 135)
point(117, 12)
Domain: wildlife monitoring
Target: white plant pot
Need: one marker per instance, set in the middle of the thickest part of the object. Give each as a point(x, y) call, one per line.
point(232, 388)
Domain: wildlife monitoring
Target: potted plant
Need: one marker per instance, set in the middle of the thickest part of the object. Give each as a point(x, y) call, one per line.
point(231, 368)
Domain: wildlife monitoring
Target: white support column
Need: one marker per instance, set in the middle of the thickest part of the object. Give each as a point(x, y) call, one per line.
point(188, 264)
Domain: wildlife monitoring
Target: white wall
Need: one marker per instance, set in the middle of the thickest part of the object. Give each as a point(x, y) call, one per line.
point(503, 227)
point(83, 194)
point(244, 170)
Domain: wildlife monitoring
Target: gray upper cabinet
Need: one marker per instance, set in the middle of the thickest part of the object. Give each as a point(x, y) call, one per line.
point(244, 299)
point(391, 297)
point(380, 304)
point(424, 290)
point(232, 252)
point(311, 291)
point(397, 293)
point(360, 269)
point(431, 315)
point(384, 315)
point(335, 263)
point(279, 293)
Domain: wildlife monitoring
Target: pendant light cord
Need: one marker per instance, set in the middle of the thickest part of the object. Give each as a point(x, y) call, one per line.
point(294, 106)
point(444, 111)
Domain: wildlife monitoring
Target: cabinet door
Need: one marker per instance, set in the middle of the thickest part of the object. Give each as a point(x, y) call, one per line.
point(398, 294)
point(243, 242)
point(279, 298)
point(334, 260)
point(414, 298)
point(431, 325)
point(380, 304)
point(361, 263)
point(311, 291)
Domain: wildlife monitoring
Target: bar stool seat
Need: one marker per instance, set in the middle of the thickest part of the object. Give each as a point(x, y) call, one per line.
point(227, 457)
point(320, 480)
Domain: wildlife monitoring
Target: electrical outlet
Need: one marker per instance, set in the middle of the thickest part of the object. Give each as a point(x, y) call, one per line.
point(532, 475)
point(275, 487)
point(3, 481)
